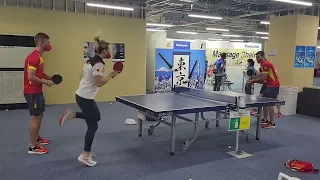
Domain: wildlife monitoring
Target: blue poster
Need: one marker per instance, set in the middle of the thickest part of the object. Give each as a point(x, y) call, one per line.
point(310, 57)
point(300, 57)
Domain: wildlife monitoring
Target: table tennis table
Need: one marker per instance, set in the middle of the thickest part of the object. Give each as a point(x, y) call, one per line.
point(184, 100)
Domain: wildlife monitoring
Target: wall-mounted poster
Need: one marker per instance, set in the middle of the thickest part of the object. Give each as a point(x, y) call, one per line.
point(272, 52)
point(237, 53)
point(310, 57)
point(182, 63)
point(300, 56)
point(88, 50)
point(118, 52)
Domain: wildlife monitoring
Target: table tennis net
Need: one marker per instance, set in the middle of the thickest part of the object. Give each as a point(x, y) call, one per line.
point(205, 94)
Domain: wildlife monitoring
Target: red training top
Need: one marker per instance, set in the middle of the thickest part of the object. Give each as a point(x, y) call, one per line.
point(272, 77)
point(33, 61)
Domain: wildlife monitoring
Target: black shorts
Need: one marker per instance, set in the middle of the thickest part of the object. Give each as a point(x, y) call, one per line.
point(271, 92)
point(36, 103)
point(263, 88)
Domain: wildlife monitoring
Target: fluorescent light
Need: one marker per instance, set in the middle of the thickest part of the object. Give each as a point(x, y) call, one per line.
point(159, 25)
point(217, 29)
point(109, 6)
point(264, 37)
point(236, 40)
point(252, 36)
point(304, 3)
point(264, 33)
point(212, 39)
point(265, 22)
point(190, 1)
point(185, 32)
point(231, 35)
point(156, 30)
point(204, 16)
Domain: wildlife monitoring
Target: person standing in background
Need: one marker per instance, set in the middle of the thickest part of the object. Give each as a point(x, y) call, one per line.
point(206, 72)
point(219, 71)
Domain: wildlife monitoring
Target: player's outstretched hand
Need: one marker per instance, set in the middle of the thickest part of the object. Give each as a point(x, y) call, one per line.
point(49, 83)
point(114, 73)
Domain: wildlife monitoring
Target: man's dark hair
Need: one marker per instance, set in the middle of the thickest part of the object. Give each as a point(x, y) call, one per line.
point(261, 53)
point(251, 62)
point(40, 37)
point(223, 55)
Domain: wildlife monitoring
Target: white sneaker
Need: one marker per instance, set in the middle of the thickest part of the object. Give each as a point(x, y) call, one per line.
point(87, 160)
point(67, 115)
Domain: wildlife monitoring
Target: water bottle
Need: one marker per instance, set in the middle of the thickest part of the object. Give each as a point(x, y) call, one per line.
point(242, 104)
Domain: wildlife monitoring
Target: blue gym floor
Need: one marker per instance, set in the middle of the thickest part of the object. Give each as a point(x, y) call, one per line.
point(122, 155)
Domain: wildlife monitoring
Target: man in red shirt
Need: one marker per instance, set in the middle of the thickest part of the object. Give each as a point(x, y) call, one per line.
point(270, 77)
point(34, 77)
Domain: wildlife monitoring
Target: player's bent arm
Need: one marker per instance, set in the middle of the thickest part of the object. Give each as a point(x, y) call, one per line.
point(97, 72)
point(102, 80)
point(32, 77)
point(46, 77)
point(263, 76)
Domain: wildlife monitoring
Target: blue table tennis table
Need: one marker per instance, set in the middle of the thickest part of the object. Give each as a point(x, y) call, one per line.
point(183, 100)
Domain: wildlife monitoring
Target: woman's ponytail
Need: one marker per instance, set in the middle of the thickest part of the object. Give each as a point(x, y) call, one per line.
point(97, 39)
point(101, 44)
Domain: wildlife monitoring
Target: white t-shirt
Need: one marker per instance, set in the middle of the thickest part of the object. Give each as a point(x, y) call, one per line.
point(92, 68)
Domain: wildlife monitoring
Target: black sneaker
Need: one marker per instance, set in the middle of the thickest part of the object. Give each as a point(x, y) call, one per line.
point(269, 126)
point(263, 121)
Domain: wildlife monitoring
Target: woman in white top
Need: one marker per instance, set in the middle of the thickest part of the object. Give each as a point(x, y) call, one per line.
point(92, 77)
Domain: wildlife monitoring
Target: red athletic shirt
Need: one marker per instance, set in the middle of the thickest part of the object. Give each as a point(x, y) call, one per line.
point(272, 77)
point(33, 61)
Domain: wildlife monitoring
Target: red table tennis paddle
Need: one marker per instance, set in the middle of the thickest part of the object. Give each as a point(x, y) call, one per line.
point(118, 66)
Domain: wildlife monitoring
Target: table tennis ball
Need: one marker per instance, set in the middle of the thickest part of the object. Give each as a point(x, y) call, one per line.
point(7, 110)
point(229, 147)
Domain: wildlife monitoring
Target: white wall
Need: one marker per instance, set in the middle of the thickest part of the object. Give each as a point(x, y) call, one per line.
point(154, 39)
